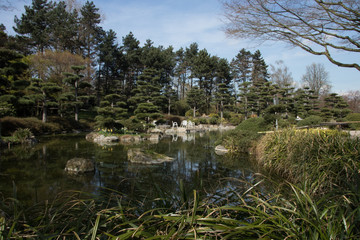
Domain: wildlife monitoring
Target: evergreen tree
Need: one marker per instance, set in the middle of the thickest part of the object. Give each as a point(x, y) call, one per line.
point(111, 109)
point(147, 99)
point(223, 95)
point(63, 28)
point(34, 24)
point(204, 69)
point(89, 34)
point(13, 80)
point(110, 60)
point(196, 99)
point(259, 73)
point(44, 94)
point(133, 66)
point(76, 81)
point(241, 72)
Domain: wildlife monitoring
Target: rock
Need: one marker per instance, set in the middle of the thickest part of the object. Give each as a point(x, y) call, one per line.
point(156, 131)
point(154, 138)
point(91, 136)
point(136, 155)
point(79, 165)
point(221, 150)
point(126, 138)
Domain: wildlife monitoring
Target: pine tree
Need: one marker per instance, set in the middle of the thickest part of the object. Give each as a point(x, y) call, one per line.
point(147, 99)
point(111, 110)
point(196, 99)
point(45, 94)
point(77, 82)
point(133, 66)
point(34, 24)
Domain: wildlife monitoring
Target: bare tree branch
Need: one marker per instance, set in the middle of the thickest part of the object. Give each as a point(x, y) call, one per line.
point(319, 27)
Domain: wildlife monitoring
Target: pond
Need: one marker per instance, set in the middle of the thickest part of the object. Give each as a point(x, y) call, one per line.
point(36, 173)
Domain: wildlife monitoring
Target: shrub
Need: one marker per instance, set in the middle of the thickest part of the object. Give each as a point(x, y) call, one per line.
point(10, 124)
point(22, 134)
point(173, 118)
point(236, 118)
point(354, 117)
point(310, 121)
point(133, 124)
point(256, 124)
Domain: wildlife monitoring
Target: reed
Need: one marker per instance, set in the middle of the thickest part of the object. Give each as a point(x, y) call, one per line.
point(327, 159)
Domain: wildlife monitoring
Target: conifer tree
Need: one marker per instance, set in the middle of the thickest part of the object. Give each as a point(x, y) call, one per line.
point(76, 81)
point(34, 24)
point(196, 99)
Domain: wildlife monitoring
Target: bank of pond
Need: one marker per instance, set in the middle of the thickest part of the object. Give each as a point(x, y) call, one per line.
point(288, 184)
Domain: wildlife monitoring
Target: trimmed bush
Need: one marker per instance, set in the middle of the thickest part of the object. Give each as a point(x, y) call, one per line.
point(310, 121)
point(354, 117)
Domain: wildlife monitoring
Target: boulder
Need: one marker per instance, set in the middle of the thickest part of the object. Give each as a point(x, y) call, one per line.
point(136, 155)
point(221, 150)
point(126, 138)
point(156, 131)
point(154, 138)
point(79, 165)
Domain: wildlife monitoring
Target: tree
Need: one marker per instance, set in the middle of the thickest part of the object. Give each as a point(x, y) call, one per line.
point(353, 100)
point(111, 109)
point(35, 24)
point(204, 69)
point(75, 80)
point(298, 24)
point(147, 99)
point(259, 73)
point(316, 78)
point(196, 99)
point(280, 75)
point(109, 64)
point(89, 33)
point(44, 92)
point(133, 66)
point(63, 28)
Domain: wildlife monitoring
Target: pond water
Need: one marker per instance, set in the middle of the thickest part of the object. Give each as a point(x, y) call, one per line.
point(37, 173)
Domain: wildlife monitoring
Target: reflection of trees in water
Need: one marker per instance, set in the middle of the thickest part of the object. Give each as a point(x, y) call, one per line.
point(40, 174)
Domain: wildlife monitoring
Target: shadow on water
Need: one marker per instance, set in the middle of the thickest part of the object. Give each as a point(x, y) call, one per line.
point(38, 172)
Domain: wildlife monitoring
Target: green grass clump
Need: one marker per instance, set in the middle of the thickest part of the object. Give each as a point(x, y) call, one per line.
point(242, 138)
point(327, 158)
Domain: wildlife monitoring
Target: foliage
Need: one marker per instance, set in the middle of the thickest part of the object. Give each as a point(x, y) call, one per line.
point(22, 134)
point(354, 117)
point(310, 121)
point(133, 124)
point(301, 155)
point(37, 127)
point(256, 124)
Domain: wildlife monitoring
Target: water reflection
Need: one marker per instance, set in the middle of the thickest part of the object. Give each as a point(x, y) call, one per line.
point(38, 172)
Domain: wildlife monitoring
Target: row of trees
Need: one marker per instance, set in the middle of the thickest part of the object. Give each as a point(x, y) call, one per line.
point(62, 60)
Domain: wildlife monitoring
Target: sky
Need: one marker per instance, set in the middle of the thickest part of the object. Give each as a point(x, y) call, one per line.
point(181, 22)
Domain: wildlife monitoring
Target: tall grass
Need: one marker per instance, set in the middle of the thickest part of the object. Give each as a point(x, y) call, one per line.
point(255, 215)
point(327, 159)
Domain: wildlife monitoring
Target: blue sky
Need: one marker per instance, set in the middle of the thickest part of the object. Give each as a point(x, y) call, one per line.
point(182, 22)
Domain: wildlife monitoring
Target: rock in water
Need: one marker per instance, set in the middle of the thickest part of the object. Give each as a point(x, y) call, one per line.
point(79, 165)
point(221, 150)
point(136, 155)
